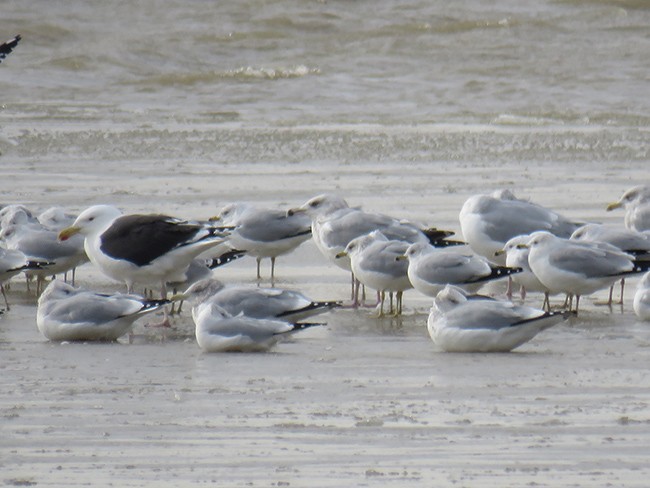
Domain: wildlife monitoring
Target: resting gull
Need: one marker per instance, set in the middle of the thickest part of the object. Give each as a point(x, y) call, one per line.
point(457, 324)
point(66, 313)
point(255, 302)
point(430, 269)
point(219, 331)
point(13, 262)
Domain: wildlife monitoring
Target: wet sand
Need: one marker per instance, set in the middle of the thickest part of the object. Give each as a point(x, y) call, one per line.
point(359, 402)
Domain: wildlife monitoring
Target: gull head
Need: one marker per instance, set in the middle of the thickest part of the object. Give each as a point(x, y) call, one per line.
point(448, 298)
point(634, 195)
point(320, 205)
point(91, 221)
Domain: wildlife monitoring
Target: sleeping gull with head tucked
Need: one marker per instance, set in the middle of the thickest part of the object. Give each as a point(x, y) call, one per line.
point(217, 330)
point(66, 313)
point(457, 324)
point(256, 302)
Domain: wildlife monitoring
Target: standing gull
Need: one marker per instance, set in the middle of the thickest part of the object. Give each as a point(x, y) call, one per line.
point(263, 232)
point(489, 221)
point(578, 268)
point(13, 262)
point(457, 324)
point(516, 251)
point(375, 262)
point(627, 240)
point(636, 201)
point(335, 224)
point(66, 313)
point(143, 249)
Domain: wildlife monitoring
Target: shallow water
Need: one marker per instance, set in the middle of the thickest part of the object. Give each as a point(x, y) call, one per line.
point(407, 109)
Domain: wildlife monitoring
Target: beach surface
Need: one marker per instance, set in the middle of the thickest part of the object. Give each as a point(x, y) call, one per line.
point(359, 402)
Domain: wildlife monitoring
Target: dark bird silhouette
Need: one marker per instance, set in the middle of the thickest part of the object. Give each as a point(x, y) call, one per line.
point(7, 47)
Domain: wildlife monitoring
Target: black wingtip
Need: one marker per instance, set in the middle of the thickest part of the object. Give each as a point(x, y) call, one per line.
point(227, 257)
point(437, 234)
point(447, 243)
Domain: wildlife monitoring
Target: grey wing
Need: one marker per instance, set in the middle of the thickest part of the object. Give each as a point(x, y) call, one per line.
point(273, 225)
point(88, 307)
point(590, 262)
point(505, 219)
point(45, 245)
point(258, 330)
point(259, 302)
point(452, 268)
point(487, 314)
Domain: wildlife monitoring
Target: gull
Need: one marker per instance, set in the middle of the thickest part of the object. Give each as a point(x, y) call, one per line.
point(143, 249)
point(636, 201)
point(56, 218)
point(13, 262)
point(457, 324)
point(627, 240)
point(263, 232)
point(430, 269)
point(489, 221)
point(641, 302)
point(516, 251)
point(578, 268)
point(219, 331)
point(66, 313)
point(374, 261)
point(42, 244)
point(254, 302)
point(335, 224)
point(8, 46)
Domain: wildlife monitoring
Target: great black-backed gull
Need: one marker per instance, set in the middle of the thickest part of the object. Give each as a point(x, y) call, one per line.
point(148, 250)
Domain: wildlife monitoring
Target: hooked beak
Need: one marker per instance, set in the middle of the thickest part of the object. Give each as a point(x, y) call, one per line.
point(613, 206)
point(402, 257)
point(342, 254)
point(216, 218)
point(68, 232)
point(523, 246)
point(499, 252)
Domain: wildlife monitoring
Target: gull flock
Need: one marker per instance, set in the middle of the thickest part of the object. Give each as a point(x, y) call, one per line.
point(503, 238)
